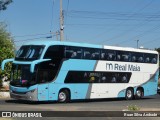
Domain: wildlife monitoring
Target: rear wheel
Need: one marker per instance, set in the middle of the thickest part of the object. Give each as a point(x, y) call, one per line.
point(63, 96)
point(139, 93)
point(129, 94)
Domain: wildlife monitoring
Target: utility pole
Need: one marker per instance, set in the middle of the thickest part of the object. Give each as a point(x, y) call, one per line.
point(61, 22)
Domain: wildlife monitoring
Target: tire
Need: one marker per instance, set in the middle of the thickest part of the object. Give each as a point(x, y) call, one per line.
point(139, 94)
point(63, 96)
point(129, 94)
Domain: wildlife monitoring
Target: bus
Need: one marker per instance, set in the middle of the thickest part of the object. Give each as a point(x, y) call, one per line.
point(64, 71)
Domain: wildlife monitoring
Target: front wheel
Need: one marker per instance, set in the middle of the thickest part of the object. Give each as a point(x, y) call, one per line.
point(129, 94)
point(63, 96)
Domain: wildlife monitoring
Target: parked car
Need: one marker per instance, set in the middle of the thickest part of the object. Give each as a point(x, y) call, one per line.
point(158, 90)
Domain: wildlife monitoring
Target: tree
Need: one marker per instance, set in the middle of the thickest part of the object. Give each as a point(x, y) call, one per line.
point(6, 49)
point(4, 3)
point(158, 49)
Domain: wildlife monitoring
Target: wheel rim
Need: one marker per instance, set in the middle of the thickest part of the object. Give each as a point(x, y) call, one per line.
point(139, 93)
point(62, 96)
point(129, 94)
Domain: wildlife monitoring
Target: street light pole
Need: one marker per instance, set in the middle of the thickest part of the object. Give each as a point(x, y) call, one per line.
point(137, 43)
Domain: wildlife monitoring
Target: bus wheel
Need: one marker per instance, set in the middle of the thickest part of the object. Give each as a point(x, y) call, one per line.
point(63, 96)
point(129, 94)
point(139, 93)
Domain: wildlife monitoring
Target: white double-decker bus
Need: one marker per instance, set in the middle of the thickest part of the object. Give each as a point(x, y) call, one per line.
point(64, 71)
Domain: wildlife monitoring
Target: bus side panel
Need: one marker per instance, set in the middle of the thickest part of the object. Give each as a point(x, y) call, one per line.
point(106, 90)
point(149, 85)
point(78, 90)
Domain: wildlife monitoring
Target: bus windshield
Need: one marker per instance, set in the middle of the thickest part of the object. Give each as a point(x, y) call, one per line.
point(29, 52)
point(21, 76)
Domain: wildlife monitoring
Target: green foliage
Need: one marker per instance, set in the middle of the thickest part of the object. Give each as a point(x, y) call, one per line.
point(158, 49)
point(133, 108)
point(6, 49)
point(4, 3)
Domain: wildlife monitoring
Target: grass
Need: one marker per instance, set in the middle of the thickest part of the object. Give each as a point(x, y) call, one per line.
point(133, 108)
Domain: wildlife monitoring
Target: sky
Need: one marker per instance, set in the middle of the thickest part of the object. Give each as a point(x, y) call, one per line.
point(103, 22)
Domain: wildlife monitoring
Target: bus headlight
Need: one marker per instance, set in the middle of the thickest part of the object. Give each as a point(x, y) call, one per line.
point(32, 90)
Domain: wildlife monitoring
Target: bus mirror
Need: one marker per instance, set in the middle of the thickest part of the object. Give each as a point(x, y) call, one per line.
point(6, 61)
point(36, 62)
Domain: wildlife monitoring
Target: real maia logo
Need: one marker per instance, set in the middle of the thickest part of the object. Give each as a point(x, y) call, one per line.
point(125, 67)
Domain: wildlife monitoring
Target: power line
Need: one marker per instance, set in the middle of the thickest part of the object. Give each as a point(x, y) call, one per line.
point(30, 35)
point(31, 39)
point(142, 34)
point(111, 15)
point(150, 41)
point(132, 15)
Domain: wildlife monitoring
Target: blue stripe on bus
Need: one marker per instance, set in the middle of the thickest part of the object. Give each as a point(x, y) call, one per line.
point(150, 87)
point(78, 91)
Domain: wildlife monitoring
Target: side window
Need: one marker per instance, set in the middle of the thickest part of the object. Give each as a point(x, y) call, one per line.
point(154, 58)
point(54, 52)
point(103, 55)
point(140, 57)
point(150, 58)
point(95, 55)
point(111, 55)
point(133, 57)
point(73, 52)
point(90, 53)
point(125, 56)
point(46, 71)
point(119, 56)
point(123, 77)
point(87, 53)
point(147, 58)
point(97, 77)
point(137, 57)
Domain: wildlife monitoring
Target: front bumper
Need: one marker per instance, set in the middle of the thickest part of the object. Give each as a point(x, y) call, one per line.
point(30, 96)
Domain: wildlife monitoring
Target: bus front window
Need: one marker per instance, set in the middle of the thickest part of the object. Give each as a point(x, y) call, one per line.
point(21, 76)
point(29, 52)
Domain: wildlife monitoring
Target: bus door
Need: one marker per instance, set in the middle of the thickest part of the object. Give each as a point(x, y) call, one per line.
point(43, 90)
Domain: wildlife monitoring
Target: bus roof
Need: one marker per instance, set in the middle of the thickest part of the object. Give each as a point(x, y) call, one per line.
point(52, 42)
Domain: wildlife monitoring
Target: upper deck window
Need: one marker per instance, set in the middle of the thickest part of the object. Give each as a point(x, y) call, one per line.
point(29, 52)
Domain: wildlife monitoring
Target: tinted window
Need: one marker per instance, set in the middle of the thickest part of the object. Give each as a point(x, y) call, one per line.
point(29, 52)
point(47, 71)
point(111, 55)
point(103, 55)
point(137, 57)
point(97, 77)
point(123, 56)
point(73, 52)
point(54, 52)
point(87, 53)
point(150, 58)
